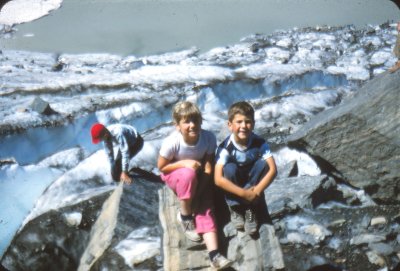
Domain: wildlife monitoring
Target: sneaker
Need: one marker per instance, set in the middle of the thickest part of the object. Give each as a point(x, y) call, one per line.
point(188, 229)
point(219, 262)
point(237, 217)
point(250, 221)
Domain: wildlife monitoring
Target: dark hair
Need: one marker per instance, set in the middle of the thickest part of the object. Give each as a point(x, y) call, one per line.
point(243, 108)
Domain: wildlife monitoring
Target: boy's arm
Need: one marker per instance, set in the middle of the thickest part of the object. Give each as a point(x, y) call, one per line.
point(109, 149)
point(230, 187)
point(124, 149)
point(268, 178)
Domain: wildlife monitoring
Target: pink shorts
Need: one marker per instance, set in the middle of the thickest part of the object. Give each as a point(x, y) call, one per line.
point(183, 181)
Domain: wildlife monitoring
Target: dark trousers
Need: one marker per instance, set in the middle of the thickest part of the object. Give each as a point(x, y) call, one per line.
point(245, 177)
point(116, 168)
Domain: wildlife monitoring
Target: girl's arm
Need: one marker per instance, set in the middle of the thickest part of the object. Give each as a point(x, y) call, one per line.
point(208, 163)
point(204, 188)
point(166, 166)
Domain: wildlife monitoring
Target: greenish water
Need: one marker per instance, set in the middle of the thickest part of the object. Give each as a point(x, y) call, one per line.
point(145, 27)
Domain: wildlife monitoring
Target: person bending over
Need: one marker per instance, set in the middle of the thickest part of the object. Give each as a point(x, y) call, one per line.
point(128, 143)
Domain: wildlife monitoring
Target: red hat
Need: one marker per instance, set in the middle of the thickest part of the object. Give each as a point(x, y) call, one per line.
point(97, 131)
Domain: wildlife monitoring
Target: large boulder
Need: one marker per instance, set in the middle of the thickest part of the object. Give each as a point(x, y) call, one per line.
point(261, 252)
point(41, 106)
point(56, 240)
point(359, 140)
point(288, 195)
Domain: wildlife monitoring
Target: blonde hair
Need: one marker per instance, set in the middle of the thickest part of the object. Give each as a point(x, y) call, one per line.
point(242, 108)
point(186, 110)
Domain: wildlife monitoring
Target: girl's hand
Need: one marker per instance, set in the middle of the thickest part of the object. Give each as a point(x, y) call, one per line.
point(191, 164)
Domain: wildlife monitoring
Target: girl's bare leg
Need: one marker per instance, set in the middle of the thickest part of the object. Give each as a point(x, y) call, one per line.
point(186, 206)
point(211, 240)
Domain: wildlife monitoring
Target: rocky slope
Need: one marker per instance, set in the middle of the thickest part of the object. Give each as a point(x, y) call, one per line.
point(359, 141)
point(344, 219)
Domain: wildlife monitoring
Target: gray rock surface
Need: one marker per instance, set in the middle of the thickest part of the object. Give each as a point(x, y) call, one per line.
point(41, 106)
point(359, 140)
point(261, 252)
point(51, 242)
point(179, 252)
point(300, 192)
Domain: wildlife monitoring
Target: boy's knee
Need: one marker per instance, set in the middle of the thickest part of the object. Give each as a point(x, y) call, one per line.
point(230, 170)
point(262, 165)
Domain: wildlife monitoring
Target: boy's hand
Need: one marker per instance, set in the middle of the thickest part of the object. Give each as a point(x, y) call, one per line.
point(253, 188)
point(250, 195)
point(125, 178)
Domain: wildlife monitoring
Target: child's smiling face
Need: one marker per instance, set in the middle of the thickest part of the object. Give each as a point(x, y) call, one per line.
point(241, 128)
point(190, 130)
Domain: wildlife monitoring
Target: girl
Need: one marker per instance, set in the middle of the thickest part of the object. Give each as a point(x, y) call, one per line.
point(186, 160)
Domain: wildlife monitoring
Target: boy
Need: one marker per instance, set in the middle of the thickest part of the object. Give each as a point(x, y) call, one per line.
point(396, 51)
point(244, 167)
point(128, 141)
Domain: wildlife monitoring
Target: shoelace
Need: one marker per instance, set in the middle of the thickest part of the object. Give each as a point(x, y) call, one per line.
point(215, 260)
point(189, 225)
point(236, 214)
point(250, 215)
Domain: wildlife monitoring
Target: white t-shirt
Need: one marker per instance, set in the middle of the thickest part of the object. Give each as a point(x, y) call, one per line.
point(174, 148)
